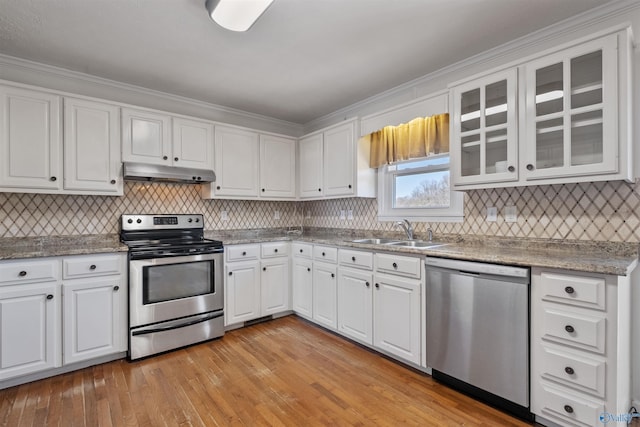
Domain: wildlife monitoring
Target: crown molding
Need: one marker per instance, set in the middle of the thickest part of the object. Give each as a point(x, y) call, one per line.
point(7, 61)
point(571, 25)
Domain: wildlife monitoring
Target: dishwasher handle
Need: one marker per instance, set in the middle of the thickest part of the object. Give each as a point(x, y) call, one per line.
point(477, 268)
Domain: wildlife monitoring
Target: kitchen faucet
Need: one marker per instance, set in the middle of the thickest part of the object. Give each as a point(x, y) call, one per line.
point(406, 226)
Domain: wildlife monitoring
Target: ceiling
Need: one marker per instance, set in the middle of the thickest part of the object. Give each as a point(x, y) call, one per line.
point(303, 59)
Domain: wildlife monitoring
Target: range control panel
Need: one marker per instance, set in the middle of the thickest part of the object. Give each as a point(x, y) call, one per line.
point(161, 222)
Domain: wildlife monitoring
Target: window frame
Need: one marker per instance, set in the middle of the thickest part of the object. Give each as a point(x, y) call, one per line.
point(386, 211)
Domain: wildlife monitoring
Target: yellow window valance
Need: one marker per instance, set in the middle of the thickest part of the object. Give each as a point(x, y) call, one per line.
point(418, 138)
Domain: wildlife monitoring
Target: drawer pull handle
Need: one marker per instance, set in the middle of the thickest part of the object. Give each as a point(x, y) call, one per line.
point(22, 273)
point(569, 290)
point(353, 259)
point(569, 370)
point(569, 329)
point(244, 253)
point(116, 288)
point(395, 265)
point(569, 409)
point(93, 267)
point(275, 250)
point(49, 296)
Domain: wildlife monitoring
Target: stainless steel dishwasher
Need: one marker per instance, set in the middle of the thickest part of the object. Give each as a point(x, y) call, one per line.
point(478, 330)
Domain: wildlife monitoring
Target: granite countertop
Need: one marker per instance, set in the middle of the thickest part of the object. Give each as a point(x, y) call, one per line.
point(35, 247)
point(594, 257)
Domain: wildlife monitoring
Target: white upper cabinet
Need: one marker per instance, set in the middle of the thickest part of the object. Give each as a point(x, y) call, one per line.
point(333, 164)
point(146, 137)
point(237, 158)
point(571, 112)
point(277, 167)
point(92, 146)
point(485, 129)
point(30, 139)
point(573, 121)
point(192, 143)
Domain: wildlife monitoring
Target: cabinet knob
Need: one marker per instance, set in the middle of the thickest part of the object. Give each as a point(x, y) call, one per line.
point(264, 268)
point(569, 290)
point(333, 275)
point(194, 178)
point(511, 169)
point(569, 370)
point(231, 273)
point(53, 178)
point(395, 265)
point(323, 254)
point(244, 253)
point(301, 251)
point(350, 186)
point(308, 269)
point(22, 273)
point(377, 285)
point(175, 159)
point(353, 259)
point(367, 284)
point(319, 189)
point(529, 167)
point(113, 181)
point(569, 329)
point(263, 190)
point(568, 409)
point(116, 288)
point(218, 187)
point(165, 158)
point(49, 296)
point(275, 250)
point(92, 267)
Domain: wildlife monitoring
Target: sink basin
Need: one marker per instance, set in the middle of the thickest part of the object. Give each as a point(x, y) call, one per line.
point(419, 244)
point(375, 241)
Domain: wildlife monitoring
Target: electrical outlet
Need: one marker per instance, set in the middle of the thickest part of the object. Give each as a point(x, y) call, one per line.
point(343, 215)
point(308, 216)
point(510, 214)
point(276, 214)
point(492, 214)
point(224, 216)
point(350, 214)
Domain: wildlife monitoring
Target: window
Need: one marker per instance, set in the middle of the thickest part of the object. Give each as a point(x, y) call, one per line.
point(418, 190)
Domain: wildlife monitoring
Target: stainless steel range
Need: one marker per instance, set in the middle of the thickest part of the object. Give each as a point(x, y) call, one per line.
point(175, 283)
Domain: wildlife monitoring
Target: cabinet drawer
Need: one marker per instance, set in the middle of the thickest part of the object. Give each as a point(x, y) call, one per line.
point(581, 373)
point(573, 329)
point(575, 290)
point(302, 250)
point(325, 253)
point(95, 265)
point(242, 252)
point(27, 271)
point(275, 249)
point(397, 264)
point(356, 258)
point(567, 407)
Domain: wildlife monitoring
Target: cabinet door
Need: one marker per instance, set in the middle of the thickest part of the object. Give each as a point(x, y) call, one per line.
point(236, 157)
point(274, 286)
point(324, 294)
point(92, 160)
point(302, 287)
point(485, 141)
point(29, 329)
point(396, 316)
point(339, 161)
point(310, 167)
point(92, 313)
point(242, 292)
point(355, 304)
point(571, 112)
point(146, 137)
point(277, 167)
point(192, 143)
point(30, 139)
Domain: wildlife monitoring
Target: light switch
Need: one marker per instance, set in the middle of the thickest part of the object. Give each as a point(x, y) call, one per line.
point(343, 215)
point(350, 214)
point(224, 216)
point(492, 214)
point(276, 214)
point(510, 214)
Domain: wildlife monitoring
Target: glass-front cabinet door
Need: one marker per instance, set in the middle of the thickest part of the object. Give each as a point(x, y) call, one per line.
point(571, 110)
point(484, 140)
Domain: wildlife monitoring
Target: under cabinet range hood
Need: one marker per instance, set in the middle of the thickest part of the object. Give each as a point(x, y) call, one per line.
point(159, 173)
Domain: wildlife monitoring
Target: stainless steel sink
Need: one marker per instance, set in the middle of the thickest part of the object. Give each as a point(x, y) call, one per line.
point(419, 244)
point(375, 241)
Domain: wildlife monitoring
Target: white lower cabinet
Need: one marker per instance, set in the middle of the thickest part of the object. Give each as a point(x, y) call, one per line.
point(396, 316)
point(325, 294)
point(355, 304)
point(242, 292)
point(302, 287)
point(275, 286)
point(29, 328)
point(94, 318)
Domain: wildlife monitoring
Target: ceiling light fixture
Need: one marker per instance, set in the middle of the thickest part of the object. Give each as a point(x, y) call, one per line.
point(236, 15)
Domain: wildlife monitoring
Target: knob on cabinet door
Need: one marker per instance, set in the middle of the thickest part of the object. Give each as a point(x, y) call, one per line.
point(116, 288)
point(175, 159)
point(275, 250)
point(569, 329)
point(49, 296)
point(568, 409)
point(308, 269)
point(231, 273)
point(569, 290)
point(217, 187)
point(264, 268)
point(53, 179)
point(165, 158)
point(511, 169)
point(93, 267)
point(113, 181)
point(377, 285)
point(530, 167)
point(22, 273)
point(569, 370)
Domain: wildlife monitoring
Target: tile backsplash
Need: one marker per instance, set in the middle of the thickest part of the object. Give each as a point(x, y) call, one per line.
point(604, 211)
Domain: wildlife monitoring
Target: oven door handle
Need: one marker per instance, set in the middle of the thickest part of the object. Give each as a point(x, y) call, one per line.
point(181, 325)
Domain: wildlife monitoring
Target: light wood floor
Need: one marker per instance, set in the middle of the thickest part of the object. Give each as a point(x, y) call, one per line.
point(284, 372)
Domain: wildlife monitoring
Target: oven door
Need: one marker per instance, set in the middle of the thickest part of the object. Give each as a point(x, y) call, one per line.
point(169, 288)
